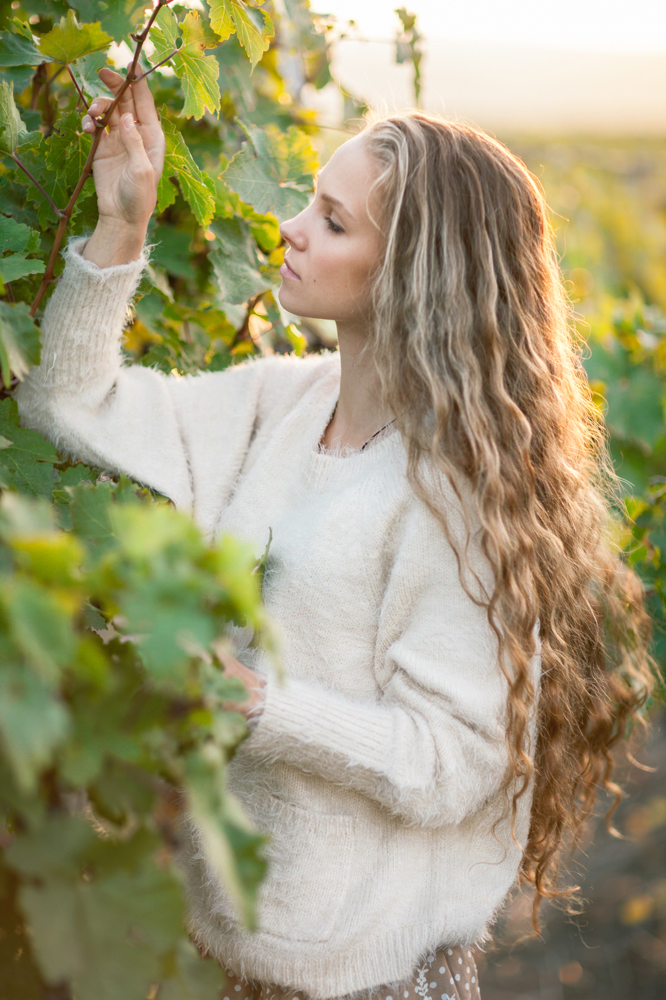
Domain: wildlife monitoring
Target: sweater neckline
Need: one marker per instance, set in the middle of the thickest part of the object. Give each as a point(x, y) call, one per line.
point(329, 467)
point(349, 455)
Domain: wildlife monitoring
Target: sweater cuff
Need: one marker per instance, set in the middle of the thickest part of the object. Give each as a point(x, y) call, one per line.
point(119, 273)
point(316, 728)
point(83, 322)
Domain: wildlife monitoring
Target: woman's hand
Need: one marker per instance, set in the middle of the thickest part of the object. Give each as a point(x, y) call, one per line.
point(127, 167)
point(253, 682)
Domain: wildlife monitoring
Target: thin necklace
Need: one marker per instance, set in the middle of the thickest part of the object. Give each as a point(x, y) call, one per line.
point(376, 433)
point(373, 436)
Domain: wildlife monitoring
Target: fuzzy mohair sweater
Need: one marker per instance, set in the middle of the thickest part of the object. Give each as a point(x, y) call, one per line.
point(377, 765)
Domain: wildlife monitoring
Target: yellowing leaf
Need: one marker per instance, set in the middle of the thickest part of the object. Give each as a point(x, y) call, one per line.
point(253, 26)
point(198, 189)
point(198, 72)
point(70, 40)
point(12, 129)
point(273, 171)
point(221, 20)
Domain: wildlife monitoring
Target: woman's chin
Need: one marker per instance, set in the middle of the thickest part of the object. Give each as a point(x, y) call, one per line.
point(288, 300)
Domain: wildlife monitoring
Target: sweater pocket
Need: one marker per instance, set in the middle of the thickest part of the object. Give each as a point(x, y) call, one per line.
point(310, 857)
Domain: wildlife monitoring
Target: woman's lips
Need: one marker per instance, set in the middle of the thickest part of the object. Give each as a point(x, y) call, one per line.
point(287, 272)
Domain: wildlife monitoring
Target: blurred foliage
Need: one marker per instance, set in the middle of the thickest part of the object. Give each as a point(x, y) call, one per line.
point(608, 202)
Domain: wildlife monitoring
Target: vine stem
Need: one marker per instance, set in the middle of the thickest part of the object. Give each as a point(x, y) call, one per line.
point(51, 78)
point(39, 187)
point(157, 65)
point(66, 213)
point(78, 89)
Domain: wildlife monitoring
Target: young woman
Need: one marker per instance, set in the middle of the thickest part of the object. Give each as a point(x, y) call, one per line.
point(461, 645)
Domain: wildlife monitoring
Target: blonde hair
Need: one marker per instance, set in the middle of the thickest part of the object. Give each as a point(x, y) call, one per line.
point(475, 352)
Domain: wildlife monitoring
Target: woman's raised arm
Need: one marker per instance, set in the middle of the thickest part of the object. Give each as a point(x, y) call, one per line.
point(127, 168)
point(181, 436)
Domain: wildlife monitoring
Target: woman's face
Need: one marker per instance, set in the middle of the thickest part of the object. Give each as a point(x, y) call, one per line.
point(334, 246)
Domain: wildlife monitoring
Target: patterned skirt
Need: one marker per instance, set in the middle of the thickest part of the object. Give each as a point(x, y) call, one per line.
point(449, 974)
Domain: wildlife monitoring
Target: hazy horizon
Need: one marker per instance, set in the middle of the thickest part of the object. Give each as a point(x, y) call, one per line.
point(573, 66)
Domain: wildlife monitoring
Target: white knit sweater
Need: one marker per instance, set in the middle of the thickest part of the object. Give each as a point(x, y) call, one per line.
point(376, 766)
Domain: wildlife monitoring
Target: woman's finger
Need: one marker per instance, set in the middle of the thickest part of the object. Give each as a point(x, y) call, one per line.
point(114, 81)
point(98, 107)
point(146, 112)
point(133, 143)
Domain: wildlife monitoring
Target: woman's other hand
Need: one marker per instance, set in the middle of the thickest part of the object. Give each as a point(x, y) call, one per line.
point(253, 682)
point(127, 167)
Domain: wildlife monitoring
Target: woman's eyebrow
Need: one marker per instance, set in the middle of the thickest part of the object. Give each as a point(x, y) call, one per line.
point(335, 201)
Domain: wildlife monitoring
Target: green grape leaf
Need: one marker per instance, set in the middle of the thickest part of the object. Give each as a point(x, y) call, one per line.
point(12, 129)
point(90, 511)
point(273, 171)
point(85, 70)
point(118, 17)
point(33, 722)
point(80, 935)
point(197, 187)
point(253, 26)
point(197, 72)
point(16, 50)
point(19, 336)
point(70, 40)
point(235, 262)
point(15, 266)
point(15, 236)
point(67, 150)
point(191, 978)
point(169, 630)
point(40, 624)
point(173, 251)
point(22, 28)
point(18, 77)
point(33, 154)
point(231, 843)
point(28, 464)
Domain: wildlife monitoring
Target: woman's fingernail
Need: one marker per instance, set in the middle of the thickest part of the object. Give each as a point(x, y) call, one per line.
point(87, 123)
point(128, 122)
point(93, 108)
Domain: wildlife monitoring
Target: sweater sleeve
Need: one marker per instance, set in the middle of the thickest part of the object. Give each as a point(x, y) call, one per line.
point(431, 747)
point(128, 418)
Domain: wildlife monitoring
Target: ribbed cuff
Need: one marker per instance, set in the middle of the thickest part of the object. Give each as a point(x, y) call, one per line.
point(313, 727)
point(84, 319)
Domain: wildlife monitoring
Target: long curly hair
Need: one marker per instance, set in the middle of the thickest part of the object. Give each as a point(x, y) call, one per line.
point(477, 356)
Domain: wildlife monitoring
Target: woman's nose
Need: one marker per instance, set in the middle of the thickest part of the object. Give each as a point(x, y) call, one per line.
point(292, 232)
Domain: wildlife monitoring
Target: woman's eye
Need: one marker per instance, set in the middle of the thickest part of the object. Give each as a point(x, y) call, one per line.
point(333, 226)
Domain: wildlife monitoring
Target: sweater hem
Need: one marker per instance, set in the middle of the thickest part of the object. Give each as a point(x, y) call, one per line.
point(351, 973)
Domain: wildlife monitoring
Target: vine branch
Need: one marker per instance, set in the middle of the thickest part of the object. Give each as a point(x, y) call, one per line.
point(78, 89)
point(157, 65)
point(66, 214)
point(39, 187)
point(50, 79)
